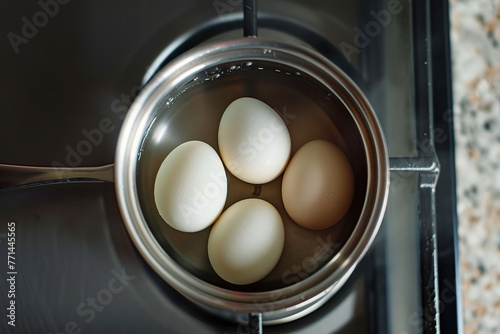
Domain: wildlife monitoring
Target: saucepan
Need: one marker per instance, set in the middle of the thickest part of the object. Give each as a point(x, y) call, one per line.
point(185, 101)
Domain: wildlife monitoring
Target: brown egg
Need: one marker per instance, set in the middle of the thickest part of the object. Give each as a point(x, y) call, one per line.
point(318, 185)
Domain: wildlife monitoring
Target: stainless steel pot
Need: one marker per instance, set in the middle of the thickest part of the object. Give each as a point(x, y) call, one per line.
point(185, 101)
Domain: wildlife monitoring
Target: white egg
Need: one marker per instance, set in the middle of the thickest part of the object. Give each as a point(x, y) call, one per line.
point(191, 187)
point(246, 241)
point(254, 142)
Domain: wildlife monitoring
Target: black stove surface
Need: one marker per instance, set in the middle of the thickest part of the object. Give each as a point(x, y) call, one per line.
point(71, 69)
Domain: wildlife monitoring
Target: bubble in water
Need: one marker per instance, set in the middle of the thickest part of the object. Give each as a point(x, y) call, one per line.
point(213, 71)
point(267, 51)
point(249, 63)
point(233, 67)
point(297, 73)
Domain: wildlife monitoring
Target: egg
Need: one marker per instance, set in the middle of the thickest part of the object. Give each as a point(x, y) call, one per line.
point(318, 185)
point(246, 242)
point(190, 188)
point(254, 142)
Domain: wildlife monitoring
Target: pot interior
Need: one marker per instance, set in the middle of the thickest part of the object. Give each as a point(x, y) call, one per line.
point(193, 111)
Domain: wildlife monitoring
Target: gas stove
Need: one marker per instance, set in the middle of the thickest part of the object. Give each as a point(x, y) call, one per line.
point(72, 69)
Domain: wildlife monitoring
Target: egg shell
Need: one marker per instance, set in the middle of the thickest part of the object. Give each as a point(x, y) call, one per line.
point(246, 242)
point(191, 187)
point(254, 142)
point(318, 185)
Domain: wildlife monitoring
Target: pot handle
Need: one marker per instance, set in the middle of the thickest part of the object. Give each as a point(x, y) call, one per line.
point(255, 323)
point(17, 176)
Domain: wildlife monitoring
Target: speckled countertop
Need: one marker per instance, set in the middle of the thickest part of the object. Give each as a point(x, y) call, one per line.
point(475, 38)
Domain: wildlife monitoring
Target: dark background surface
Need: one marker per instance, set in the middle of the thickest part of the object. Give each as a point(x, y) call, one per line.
point(82, 67)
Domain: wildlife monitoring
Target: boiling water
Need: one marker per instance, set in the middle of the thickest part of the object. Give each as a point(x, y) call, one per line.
point(194, 112)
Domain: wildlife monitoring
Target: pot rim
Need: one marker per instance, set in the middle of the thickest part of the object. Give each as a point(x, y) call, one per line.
point(139, 118)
